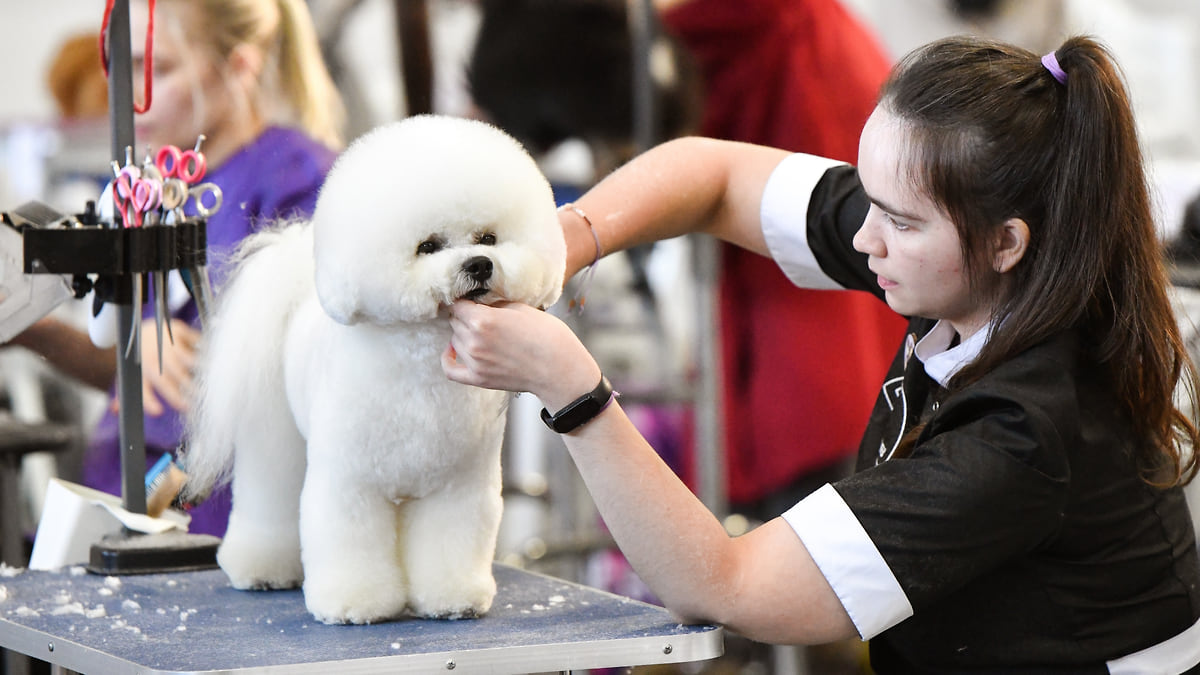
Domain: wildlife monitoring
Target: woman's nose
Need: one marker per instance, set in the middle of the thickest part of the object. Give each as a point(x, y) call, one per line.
point(867, 240)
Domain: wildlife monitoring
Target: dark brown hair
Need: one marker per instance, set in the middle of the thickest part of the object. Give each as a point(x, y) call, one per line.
point(994, 135)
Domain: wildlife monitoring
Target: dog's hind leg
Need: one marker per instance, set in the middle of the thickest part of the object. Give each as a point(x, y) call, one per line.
point(261, 548)
point(448, 547)
point(348, 535)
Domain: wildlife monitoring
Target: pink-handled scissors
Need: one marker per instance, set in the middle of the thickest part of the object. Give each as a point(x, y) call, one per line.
point(186, 165)
point(135, 196)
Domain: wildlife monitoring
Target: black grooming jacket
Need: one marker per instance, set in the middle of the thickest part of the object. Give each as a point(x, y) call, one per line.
point(1019, 528)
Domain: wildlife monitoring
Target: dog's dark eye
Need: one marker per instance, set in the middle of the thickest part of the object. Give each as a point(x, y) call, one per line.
point(431, 245)
point(487, 239)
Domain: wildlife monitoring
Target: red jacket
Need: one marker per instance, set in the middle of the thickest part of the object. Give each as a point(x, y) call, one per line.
point(801, 368)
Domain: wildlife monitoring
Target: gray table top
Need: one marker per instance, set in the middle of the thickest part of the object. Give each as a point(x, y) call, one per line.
point(195, 622)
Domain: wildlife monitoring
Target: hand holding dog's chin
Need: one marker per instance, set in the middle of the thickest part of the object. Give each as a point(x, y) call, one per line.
point(515, 347)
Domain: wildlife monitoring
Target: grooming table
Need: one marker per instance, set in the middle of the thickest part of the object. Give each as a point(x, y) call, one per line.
point(196, 622)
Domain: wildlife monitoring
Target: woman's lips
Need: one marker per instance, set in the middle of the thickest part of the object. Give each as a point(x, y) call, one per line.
point(885, 283)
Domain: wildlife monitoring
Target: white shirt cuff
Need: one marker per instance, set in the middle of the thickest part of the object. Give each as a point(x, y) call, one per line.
point(1175, 655)
point(784, 215)
point(849, 561)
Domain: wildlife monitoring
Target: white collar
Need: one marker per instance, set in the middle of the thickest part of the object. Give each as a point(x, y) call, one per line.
point(941, 360)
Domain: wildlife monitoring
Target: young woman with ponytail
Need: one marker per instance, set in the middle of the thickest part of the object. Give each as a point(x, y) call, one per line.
point(248, 75)
point(1017, 505)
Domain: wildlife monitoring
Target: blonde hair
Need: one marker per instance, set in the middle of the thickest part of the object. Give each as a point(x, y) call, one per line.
point(296, 87)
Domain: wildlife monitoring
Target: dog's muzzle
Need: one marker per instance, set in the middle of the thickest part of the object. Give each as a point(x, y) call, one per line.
point(479, 270)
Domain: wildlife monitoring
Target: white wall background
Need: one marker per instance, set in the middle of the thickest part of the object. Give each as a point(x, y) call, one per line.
point(30, 33)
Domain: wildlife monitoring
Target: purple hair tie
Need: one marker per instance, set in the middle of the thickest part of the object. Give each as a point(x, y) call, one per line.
point(1050, 61)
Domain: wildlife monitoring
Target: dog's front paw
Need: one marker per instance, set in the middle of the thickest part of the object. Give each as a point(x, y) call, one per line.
point(260, 563)
point(355, 599)
point(461, 598)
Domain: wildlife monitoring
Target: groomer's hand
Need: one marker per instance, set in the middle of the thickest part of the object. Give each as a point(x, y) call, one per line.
point(514, 347)
point(174, 383)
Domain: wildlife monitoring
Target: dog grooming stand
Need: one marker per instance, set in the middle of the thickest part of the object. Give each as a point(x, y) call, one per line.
point(83, 247)
point(191, 622)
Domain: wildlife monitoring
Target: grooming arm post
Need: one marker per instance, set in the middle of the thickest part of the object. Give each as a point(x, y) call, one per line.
point(129, 370)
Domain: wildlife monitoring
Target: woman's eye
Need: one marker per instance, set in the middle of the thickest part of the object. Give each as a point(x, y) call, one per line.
point(893, 222)
point(429, 246)
point(487, 239)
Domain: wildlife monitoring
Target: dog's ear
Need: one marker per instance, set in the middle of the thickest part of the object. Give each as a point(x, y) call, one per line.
point(338, 297)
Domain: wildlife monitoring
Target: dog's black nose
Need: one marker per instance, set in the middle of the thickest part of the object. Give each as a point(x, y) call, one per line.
point(478, 268)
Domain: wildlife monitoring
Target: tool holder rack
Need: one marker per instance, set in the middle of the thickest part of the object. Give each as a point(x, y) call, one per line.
point(112, 251)
point(114, 254)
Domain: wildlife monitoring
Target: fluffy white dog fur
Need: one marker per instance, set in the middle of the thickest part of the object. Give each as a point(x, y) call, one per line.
point(358, 468)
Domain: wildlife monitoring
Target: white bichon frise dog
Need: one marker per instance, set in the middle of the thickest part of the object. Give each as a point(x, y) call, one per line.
point(357, 467)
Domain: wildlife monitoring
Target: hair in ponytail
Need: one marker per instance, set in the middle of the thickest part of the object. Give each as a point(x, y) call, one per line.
point(998, 133)
point(303, 76)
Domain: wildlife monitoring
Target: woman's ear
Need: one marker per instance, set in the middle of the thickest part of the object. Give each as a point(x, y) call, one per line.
point(1011, 243)
point(246, 63)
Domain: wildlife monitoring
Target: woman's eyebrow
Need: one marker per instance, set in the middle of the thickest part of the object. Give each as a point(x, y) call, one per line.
point(892, 210)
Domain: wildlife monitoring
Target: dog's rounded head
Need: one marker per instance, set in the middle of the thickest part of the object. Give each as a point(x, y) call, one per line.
point(419, 213)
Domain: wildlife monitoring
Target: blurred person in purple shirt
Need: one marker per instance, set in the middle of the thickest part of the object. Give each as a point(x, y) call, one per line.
point(247, 75)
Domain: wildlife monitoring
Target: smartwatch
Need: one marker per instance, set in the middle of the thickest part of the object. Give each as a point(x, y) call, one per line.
point(581, 410)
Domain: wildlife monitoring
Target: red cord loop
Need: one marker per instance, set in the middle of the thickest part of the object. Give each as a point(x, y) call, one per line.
point(148, 62)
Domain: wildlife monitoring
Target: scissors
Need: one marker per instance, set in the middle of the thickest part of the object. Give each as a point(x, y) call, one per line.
point(186, 165)
point(175, 193)
point(175, 172)
point(156, 194)
point(134, 195)
point(158, 280)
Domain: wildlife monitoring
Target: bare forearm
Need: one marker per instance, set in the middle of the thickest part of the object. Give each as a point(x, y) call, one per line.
point(70, 351)
point(763, 585)
point(673, 541)
point(690, 185)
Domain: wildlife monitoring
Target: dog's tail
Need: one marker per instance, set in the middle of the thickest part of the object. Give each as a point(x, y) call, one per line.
point(238, 385)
